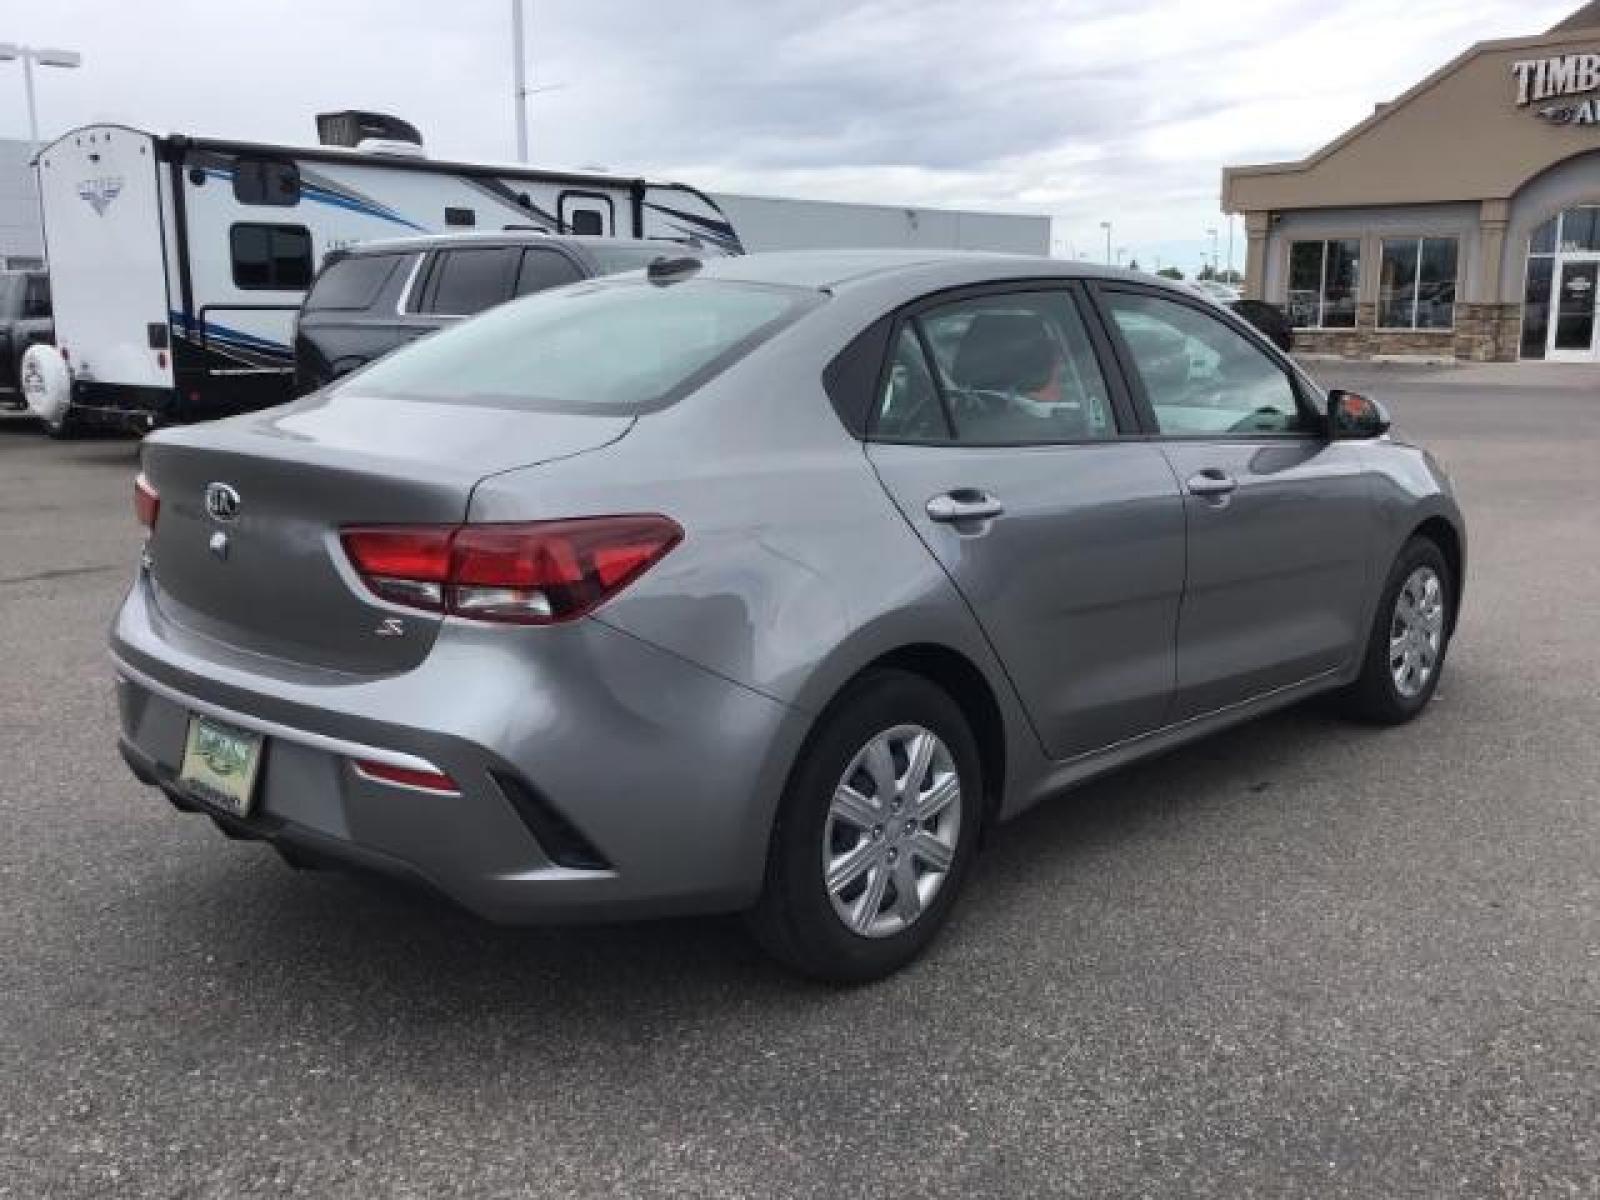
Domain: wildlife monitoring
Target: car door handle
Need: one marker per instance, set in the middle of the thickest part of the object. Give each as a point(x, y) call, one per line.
point(1211, 482)
point(964, 504)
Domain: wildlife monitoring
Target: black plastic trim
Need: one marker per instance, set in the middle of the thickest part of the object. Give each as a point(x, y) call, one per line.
point(561, 840)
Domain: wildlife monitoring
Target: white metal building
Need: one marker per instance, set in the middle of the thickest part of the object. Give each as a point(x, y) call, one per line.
point(19, 205)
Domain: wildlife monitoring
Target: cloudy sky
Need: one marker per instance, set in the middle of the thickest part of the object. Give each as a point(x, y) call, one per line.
point(1085, 111)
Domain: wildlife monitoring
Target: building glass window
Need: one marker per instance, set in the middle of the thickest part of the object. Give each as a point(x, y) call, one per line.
point(1575, 231)
point(1324, 278)
point(1580, 231)
point(1417, 283)
point(1536, 306)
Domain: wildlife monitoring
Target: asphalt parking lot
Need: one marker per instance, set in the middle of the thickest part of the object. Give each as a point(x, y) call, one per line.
point(1301, 959)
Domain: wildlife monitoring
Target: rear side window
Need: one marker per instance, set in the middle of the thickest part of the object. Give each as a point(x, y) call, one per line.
point(465, 282)
point(1005, 369)
point(352, 283)
point(271, 257)
point(600, 347)
point(266, 181)
point(543, 269)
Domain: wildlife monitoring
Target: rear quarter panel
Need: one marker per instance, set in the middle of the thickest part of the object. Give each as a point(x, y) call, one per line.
point(796, 570)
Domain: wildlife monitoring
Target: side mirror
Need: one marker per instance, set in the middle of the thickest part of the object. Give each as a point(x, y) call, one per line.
point(1352, 417)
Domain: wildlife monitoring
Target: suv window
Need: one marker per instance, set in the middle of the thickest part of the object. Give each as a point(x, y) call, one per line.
point(36, 300)
point(544, 269)
point(465, 282)
point(1201, 375)
point(1012, 368)
point(271, 257)
point(352, 283)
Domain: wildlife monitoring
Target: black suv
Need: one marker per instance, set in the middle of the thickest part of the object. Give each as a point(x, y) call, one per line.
point(24, 320)
point(371, 298)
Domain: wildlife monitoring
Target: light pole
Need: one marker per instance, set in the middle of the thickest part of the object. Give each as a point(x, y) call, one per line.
point(45, 57)
point(1216, 262)
point(1230, 248)
point(1106, 225)
point(519, 79)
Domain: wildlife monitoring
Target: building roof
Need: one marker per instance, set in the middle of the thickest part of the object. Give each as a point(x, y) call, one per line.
point(1459, 135)
point(1587, 17)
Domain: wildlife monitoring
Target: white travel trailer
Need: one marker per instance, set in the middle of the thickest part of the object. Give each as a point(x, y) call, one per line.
point(178, 263)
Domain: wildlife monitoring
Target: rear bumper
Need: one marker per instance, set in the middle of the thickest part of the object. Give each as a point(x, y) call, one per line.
point(670, 774)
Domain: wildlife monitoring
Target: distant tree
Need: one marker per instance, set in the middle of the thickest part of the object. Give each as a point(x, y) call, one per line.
point(1170, 273)
point(1232, 277)
point(1207, 271)
point(1133, 264)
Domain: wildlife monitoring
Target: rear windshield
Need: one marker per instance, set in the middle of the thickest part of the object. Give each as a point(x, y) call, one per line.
point(618, 346)
point(351, 283)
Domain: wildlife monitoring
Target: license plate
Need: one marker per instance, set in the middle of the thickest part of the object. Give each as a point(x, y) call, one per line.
point(220, 762)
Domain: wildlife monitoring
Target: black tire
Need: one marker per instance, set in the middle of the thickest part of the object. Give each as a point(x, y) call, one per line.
point(795, 919)
point(1375, 696)
point(64, 427)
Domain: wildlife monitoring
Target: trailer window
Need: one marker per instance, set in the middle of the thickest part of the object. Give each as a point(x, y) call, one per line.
point(353, 283)
point(266, 181)
point(274, 258)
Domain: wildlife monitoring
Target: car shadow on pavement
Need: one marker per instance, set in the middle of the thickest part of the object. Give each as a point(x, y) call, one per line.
point(337, 940)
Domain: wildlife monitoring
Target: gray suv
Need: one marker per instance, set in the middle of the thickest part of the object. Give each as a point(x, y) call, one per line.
point(765, 584)
point(372, 298)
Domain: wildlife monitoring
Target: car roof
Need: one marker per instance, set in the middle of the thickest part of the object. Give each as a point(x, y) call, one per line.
point(517, 237)
point(842, 270)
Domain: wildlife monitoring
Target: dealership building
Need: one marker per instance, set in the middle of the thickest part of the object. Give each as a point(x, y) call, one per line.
point(1460, 220)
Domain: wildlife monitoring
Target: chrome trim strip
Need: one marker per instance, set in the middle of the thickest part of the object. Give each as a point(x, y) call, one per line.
point(404, 299)
point(316, 741)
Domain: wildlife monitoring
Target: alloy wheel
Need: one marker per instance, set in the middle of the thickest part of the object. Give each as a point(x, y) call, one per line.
point(1416, 632)
point(893, 826)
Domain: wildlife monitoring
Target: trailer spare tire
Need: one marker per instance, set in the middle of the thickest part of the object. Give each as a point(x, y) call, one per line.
point(47, 387)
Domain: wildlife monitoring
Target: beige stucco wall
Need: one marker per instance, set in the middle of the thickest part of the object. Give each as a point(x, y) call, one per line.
point(1459, 135)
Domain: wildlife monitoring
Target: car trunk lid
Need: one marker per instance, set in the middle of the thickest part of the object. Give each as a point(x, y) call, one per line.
point(270, 576)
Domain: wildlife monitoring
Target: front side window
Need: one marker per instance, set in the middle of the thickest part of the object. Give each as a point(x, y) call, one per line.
point(1324, 278)
point(465, 282)
point(266, 181)
point(1201, 376)
point(1009, 369)
point(1417, 283)
point(597, 347)
point(274, 258)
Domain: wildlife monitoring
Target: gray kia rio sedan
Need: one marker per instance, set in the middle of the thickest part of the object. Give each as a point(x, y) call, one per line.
point(764, 584)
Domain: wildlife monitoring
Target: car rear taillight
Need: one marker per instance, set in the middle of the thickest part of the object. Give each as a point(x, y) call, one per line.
point(146, 502)
point(535, 573)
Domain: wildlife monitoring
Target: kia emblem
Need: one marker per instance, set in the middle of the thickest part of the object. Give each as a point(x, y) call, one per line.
point(222, 502)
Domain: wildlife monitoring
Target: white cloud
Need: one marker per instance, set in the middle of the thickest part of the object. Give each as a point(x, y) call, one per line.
point(1046, 106)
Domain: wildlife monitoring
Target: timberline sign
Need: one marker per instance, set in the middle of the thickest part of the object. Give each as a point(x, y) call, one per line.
point(1571, 80)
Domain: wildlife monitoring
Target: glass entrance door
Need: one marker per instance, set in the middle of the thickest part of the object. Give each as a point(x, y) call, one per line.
point(1577, 295)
